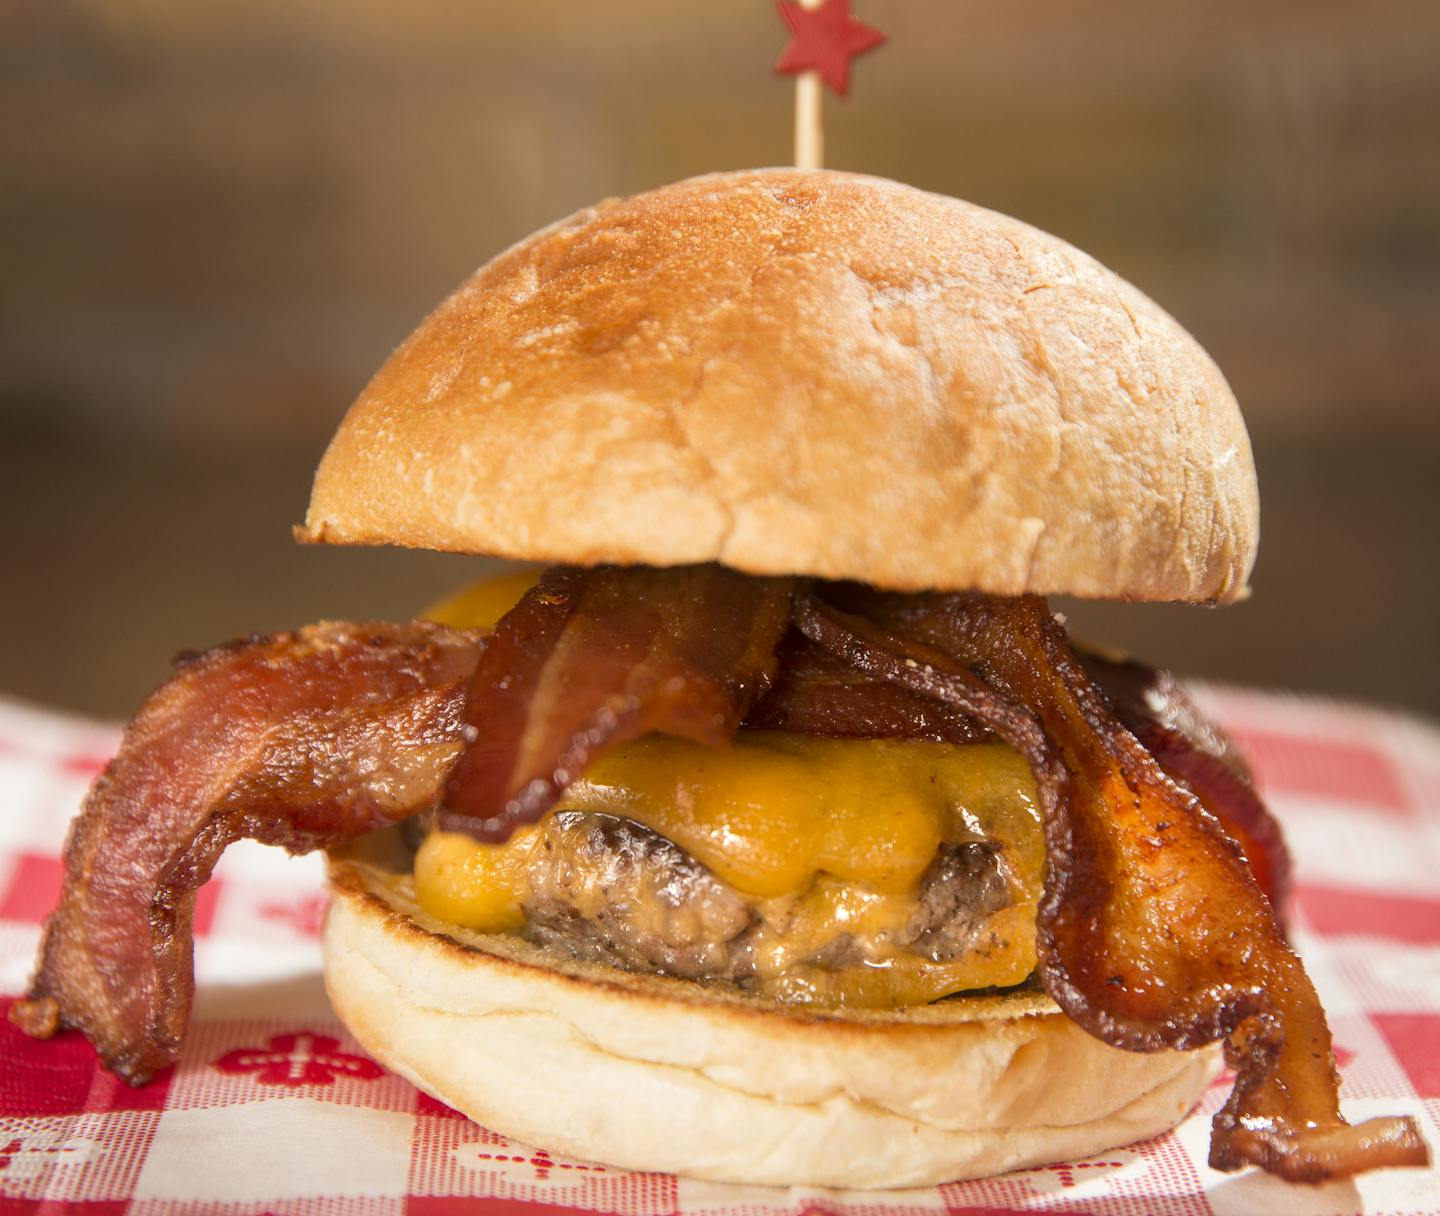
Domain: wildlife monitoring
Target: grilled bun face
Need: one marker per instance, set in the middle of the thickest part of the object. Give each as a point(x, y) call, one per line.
point(653, 1073)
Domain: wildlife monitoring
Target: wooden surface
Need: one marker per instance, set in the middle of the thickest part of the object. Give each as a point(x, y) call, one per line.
point(216, 219)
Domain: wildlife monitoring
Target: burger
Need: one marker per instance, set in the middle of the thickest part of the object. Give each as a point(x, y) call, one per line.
point(766, 826)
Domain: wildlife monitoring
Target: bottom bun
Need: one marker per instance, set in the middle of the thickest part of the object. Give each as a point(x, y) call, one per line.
point(651, 1073)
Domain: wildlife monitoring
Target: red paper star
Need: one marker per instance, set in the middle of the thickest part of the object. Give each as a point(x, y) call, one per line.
point(824, 40)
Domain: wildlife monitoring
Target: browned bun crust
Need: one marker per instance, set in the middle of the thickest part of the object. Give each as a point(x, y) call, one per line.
point(806, 373)
point(660, 1074)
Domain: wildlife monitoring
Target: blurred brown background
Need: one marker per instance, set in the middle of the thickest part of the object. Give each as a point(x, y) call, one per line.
point(217, 218)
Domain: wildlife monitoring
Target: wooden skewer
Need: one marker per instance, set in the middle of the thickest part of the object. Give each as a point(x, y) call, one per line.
point(809, 131)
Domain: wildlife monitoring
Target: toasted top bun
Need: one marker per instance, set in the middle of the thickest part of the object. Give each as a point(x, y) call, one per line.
point(798, 372)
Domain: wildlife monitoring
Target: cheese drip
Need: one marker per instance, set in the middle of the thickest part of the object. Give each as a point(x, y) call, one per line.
point(818, 832)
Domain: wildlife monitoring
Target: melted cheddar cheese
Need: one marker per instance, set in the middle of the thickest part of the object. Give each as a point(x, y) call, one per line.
point(817, 832)
point(820, 832)
point(481, 604)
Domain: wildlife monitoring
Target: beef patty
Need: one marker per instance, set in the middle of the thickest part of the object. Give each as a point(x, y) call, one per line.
point(612, 891)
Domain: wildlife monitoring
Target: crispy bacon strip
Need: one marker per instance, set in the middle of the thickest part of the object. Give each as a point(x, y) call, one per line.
point(591, 658)
point(1200, 756)
point(301, 739)
point(817, 693)
point(1153, 934)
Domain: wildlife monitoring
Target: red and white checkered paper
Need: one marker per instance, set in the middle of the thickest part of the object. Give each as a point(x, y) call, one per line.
point(273, 1108)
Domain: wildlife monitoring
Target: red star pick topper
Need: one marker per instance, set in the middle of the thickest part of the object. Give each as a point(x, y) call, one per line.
point(824, 39)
